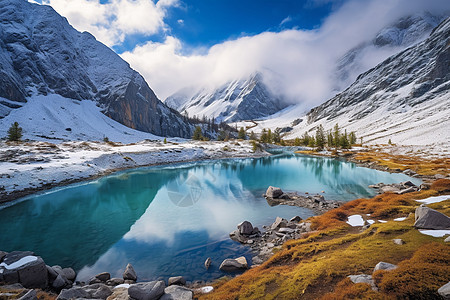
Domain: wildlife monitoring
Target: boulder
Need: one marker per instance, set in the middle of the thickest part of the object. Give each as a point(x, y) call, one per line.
point(296, 219)
point(177, 280)
point(208, 263)
point(389, 189)
point(147, 290)
point(51, 273)
point(115, 281)
point(233, 265)
point(384, 266)
point(119, 293)
point(73, 293)
point(361, 278)
point(25, 268)
point(105, 276)
point(279, 223)
point(30, 295)
point(174, 292)
point(129, 273)
point(245, 228)
point(444, 291)
point(447, 239)
point(273, 192)
point(428, 218)
point(69, 273)
point(59, 283)
point(93, 291)
point(236, 236)
point(408, 184)
point(2, 255)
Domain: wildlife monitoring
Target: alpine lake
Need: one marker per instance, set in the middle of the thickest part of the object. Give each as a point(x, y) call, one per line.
point(167, 220)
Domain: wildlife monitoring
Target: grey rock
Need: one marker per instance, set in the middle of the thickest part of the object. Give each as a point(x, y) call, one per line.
point(177, 280)
point(98, 291)
point(447, 239)
point(59, 283)
point(73, 293)
point(428, 218)
point(2, 255)
point(257, 260)
point(279, 222)
point(93, 291)
point(408, 184)
point(52, 274)
point(208, 263)
point(69, 273)
point(444, 291)
point(129, 273)
point(361, 278)
point(245, 228)
point(439, 176)
point(236, 236)
point(30, 275)
point(273, 192)
point(120, 293)
point(425, 186)
point(384, 266)
point(147, 290)
point(30, 295)
point(233, 265)
point(103, 276)
point(398, 241)
point(408, 190)
point(389, 189)
point(174, 292)
point(296, 219)
point(115, 281)
point(94, 280)
point(286, 230)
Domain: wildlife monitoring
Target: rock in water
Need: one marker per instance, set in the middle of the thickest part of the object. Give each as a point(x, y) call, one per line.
point(175, 292)
point(245, 228)
point(233, 265)
point(273, 192)
point(208, 263)
point(177, 280)
point(147, 290)
point(129, 273)
point(428, 218)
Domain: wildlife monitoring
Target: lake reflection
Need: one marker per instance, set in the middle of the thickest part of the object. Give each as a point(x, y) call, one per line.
point(167, 220)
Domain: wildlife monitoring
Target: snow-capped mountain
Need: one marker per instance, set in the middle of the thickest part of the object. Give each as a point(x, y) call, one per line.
point(244, 99)
point(42, 54)
point(403, 33)
point(406, 98)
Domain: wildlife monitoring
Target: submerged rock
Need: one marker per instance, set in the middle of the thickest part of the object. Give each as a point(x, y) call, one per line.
point(208, 263)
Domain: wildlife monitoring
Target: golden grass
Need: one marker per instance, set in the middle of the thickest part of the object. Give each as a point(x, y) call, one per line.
point(318, 264)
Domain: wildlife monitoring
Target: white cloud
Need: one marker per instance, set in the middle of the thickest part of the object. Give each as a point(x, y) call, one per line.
point(300, 64)
point(113, 21)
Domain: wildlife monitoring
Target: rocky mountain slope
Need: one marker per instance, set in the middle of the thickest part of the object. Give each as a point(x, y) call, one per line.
point(405, 98)
point(42, 54)
point(403, 33)
point(243, 99)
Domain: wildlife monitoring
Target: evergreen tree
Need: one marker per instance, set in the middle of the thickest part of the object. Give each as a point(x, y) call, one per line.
point(277, 136)
point(297, 141)
point(198, 136)
point(336, 136)
point(269, 137)
point(330, 141)
point(344, 143)
point(263, 138)
point(14, 132)
point(222, 135)
point(312, 142)
point(320, 137)
point(352, 138)
point(241, 134)
point(165, 140)
point(306, 138)
point(253, 136)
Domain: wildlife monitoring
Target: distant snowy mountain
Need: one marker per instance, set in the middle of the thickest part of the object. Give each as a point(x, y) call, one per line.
point(406, 98)
point(41, 54)
point(244, 99)
point(403, 33)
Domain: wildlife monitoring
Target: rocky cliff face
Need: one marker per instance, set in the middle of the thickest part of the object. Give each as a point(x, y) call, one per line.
point(40, 54)
point(238, 100)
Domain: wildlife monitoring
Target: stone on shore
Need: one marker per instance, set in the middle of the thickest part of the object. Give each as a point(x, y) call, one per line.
point(384, 266)
point(25, 268)
point(175, 292)
point(296, 219)
point(233, 265)
point(105, 276)
point(115, 281)
point(245, 228)
point(279, 223)
point(129, 273)
point(30, 295)
point(147, 290)
point(398, 241)
point(177, 280)
point(444, 291)
point(273, 192)
point(93, 291)
point(428, 218)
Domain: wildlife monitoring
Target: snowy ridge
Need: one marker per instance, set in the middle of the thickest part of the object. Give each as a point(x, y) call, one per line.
point(243, 99)
point(406, 98)
point(41, 54)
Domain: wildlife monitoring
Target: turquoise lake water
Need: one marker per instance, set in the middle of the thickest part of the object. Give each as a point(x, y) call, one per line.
point(167, 220)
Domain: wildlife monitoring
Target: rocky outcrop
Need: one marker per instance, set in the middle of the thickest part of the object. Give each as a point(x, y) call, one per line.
point(275, 196)
point(428, 218)
point(175, 292)
point(397, 188)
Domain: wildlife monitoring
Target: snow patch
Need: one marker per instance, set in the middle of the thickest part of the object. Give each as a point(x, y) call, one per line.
point(355, 220)
point(382, 221)
point(400, 219)
point(23, 261)
point(434, 199)
point(435, 232)
point(123, 285)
